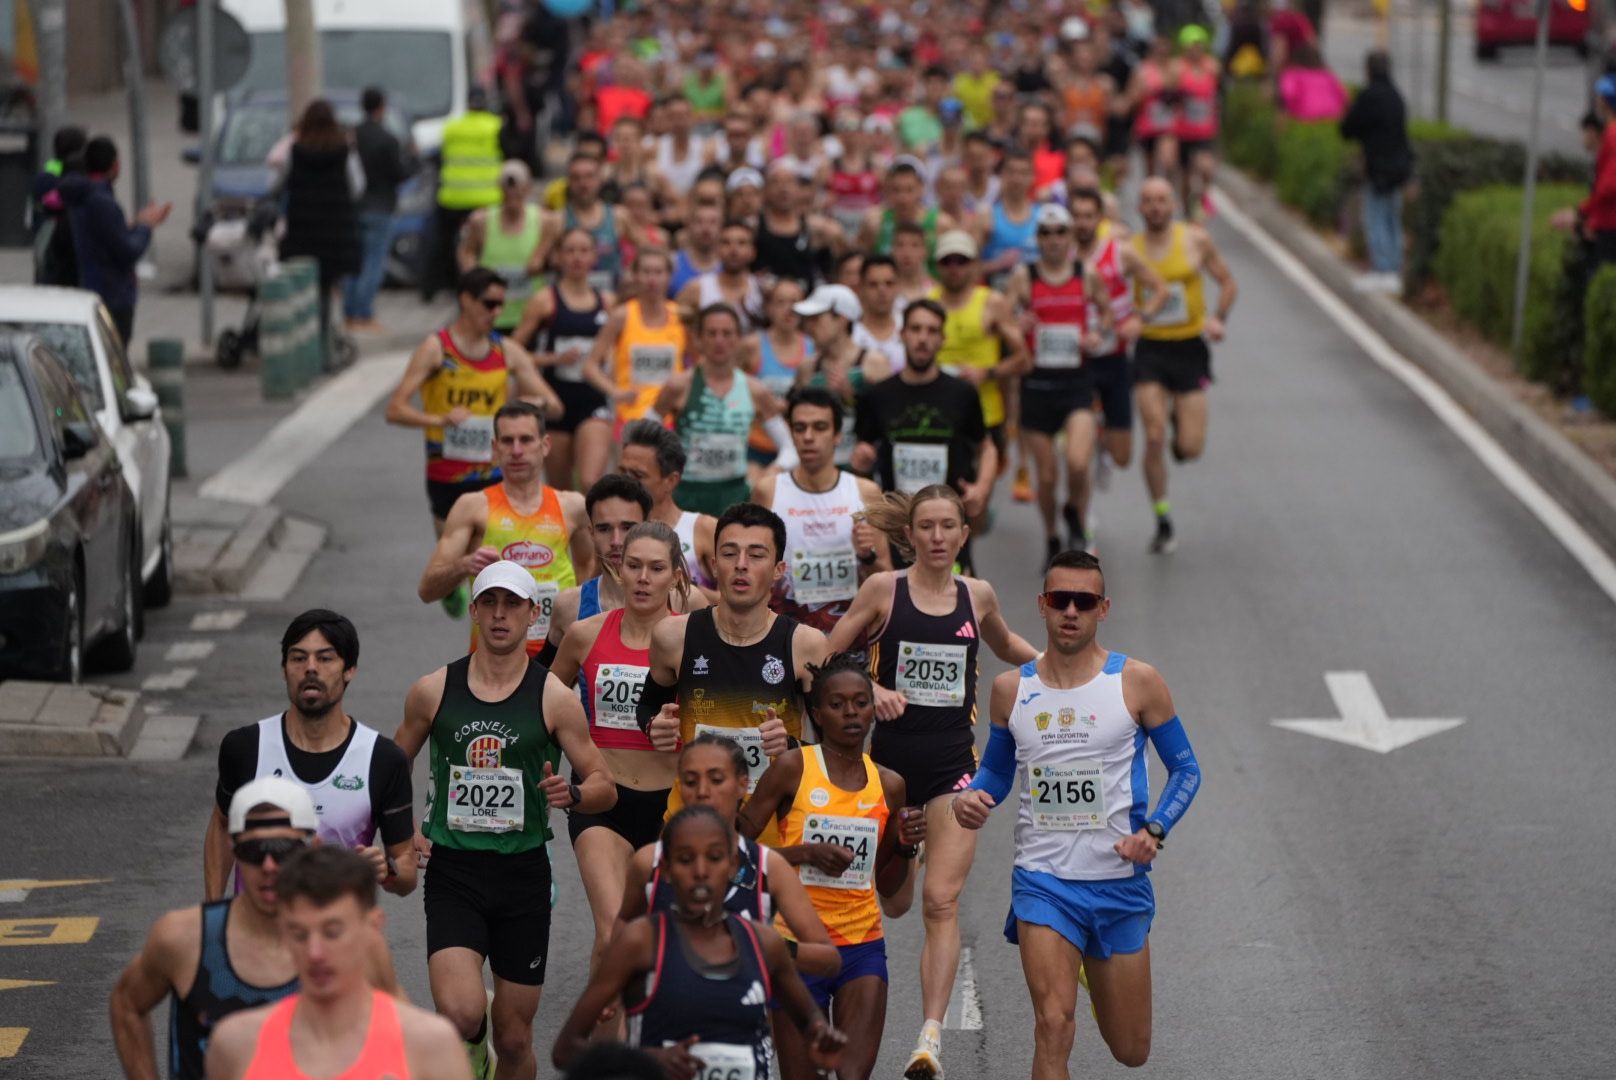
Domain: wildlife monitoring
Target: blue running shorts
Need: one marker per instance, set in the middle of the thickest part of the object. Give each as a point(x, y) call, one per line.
point(866, 958)
point(1099, 917)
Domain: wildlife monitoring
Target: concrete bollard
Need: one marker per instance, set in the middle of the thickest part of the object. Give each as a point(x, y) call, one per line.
point(165, 358)
point(277, 371)
point(310, 350)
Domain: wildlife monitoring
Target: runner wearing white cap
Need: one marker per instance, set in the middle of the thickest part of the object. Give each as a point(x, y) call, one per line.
point(838, 363)
point(220, 957)
point(498, 723)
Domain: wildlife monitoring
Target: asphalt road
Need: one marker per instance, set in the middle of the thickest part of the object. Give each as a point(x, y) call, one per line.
point(1324, 911)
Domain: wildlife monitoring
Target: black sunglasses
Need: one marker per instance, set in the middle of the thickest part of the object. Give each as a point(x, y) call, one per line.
point(953, 260)
point(1058, 230)
point(491, 305)
point(280, 848)
point(1061, 599)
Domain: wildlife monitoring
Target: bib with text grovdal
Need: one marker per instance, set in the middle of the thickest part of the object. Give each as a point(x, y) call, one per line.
point(856, 834)
point(715, 455)
point(1067, 798)
point(1175, 311)
point(751, 742)
point(485, 800)
point(724, 1061)
point(548, 591)
point(919, 465)
point(471, 440)
point(824, 576)
point(617, 695)
point(573, 372)
point(1060, 346)
point(931, 674)
point(651, 365)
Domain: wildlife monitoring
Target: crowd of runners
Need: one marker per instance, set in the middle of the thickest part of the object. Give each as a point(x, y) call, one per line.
point(708, 438)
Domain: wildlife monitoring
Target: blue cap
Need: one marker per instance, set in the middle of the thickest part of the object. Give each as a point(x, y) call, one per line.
point(1606, 89)
point(951, 108)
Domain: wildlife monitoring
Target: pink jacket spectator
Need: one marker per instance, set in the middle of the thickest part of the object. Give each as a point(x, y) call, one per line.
point(1308, 93)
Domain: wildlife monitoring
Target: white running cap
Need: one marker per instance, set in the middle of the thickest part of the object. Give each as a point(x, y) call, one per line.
point(509, 576)
point(838, 298)
point(273, 791)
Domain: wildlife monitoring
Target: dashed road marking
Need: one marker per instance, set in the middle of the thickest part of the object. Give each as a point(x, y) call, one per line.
point(182, 651)
point(178, 679)
point(228, 619)
point(16, 890)
point(965, 1005)
point(21, 984)
point(11, 1041)
point(65, 930)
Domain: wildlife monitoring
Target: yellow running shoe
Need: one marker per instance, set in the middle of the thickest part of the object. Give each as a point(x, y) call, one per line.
point(1022, 490)
point(481, 1052)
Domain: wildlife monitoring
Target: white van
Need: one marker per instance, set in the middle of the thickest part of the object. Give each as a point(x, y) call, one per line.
point(423, 53)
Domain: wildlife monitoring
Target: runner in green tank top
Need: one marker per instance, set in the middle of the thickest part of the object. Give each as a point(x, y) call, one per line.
point(497, 723)
point(715, 404)
point(506, 240)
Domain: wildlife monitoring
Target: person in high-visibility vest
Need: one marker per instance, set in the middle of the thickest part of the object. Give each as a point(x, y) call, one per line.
point(468, 179)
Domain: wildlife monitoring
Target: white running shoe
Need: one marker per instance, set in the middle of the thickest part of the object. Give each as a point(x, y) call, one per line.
point(926, 1063)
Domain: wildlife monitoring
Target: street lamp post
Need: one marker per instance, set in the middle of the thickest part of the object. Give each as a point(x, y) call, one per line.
point(1524, 262)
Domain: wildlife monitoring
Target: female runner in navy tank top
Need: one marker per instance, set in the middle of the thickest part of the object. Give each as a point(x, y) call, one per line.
point(926, 626)
point(697, 980)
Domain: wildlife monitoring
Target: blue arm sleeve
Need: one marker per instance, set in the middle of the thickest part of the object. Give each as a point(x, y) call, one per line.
point(997, 773)
point(1183, 772)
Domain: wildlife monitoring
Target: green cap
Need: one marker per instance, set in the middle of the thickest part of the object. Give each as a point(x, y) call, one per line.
point(1193, 35)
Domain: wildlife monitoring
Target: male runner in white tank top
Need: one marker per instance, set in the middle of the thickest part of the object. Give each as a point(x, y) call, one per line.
point(1073, 725)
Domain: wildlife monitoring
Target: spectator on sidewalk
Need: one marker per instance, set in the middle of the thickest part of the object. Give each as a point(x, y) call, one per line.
point(323, 178)
point(1308, 90)
point(105, 244)
point(386, 166)
point(1378, 120)
point(468, 179)
point(54, 261)
point(1595, 218)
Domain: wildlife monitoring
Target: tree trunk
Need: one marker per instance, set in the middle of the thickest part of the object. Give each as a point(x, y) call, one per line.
point(303, 70)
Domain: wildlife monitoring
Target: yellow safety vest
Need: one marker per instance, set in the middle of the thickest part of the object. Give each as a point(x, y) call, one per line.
point(469, 176)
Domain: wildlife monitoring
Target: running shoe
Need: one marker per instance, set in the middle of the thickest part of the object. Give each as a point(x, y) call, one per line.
point(1102, 470)
point(1052, 548)
point(1074, 528)
point(1163, 543)
point(1021, 491)
point(1208, 210)
point(457, 602)
point(926, 1063)
point(481, 1052)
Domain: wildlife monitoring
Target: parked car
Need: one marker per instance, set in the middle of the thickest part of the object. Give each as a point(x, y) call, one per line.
point(242, 176)
point(76, 327)
point(1501, 23)
point(69, 547)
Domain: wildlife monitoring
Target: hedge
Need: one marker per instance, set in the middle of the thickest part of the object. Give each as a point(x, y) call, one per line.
point(1249, 119)
point(1315, 169)
point(1475, 261)
point(1599, 349)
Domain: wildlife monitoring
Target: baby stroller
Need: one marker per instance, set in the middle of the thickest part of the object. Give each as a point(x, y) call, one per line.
point(241, 253)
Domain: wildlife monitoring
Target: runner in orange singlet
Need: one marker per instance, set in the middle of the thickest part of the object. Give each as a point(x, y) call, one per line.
point(336, 1024)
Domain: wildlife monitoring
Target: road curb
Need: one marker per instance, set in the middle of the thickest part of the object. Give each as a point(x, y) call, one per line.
point(59, 720)
point(1576, 482)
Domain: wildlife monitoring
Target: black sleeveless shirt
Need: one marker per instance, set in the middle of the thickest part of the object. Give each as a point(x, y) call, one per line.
point(933, 660)
point(789, 256)
point(733, 686)
point(216, 992)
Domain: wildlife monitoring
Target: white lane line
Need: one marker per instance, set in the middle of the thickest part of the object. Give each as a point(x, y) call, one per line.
point(1572, 536)
point(965, 1006)
point(182, 651)
point(228, 619)
point(306, 433)
point(178, 679)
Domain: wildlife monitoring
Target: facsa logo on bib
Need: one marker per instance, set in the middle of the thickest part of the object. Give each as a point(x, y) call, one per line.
point(485, 752)
point(528, 553)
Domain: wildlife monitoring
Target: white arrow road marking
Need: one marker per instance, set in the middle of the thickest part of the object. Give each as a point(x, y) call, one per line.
point(1363, 721)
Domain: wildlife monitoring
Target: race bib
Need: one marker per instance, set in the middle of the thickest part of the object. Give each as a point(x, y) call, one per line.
point(1109, 343)
point(548, 591)
point(1059, 346)
point(824, 576)
point(472, 440)
point(932, 674)
point(617, 695)
point(919, 465)
point(751, 742)
point(1067, 798)
point(1197, 111)
point(723, 1061)
point(651, 365)
point(715, 455)
point(859, 835)
point(573, 372)
point(601, 280)
point(485, 800)
point(1176, 311)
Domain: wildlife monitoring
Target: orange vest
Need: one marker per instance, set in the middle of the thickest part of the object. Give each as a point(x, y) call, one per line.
point(382, 1055)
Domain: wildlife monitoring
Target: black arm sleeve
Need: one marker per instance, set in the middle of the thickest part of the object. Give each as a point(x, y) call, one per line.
point(238, 762)
point(392, 796)
point(653, 695)
point(867, 419)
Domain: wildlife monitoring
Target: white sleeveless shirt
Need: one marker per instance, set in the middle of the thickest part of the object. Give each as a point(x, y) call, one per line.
point(823, 566)
point(341, 800)
point(1084, 785)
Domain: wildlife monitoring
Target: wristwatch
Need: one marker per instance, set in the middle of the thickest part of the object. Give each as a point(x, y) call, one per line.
point(908, 851)
point(576, 795)
point(1154, 828)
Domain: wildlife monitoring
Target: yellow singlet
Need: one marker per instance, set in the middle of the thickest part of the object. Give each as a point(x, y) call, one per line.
point(824, 813)
point(646, 358)
point(967, 342)
point(1183, 315)
point(465, 452)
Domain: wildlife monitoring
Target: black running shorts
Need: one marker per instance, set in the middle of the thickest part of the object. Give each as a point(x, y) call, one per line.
point(1182, 367)
point(496, 905)
point(1046, 403)
point(637, 817)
